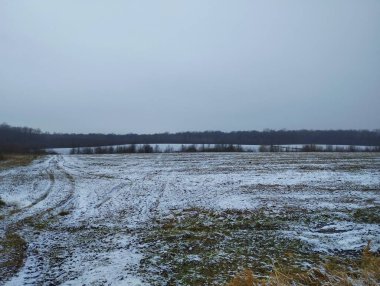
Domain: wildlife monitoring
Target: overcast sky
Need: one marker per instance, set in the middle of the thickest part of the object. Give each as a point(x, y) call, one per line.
point(153, 66)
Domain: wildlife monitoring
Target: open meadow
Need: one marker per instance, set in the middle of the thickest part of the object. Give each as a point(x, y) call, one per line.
point(190, 219)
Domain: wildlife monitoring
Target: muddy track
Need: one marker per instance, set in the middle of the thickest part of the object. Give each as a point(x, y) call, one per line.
point(17, 250)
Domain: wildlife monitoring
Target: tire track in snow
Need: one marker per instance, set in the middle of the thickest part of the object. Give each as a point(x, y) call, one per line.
point(51, 195)
point(115, 189)
point(71, 188)
point(34, 263)
point(15, 224)
point(48, 189)
point(154, 208)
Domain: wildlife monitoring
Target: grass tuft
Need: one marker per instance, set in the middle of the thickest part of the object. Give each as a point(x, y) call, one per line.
point(368, 215)
point(2, 203)
point(244, 279)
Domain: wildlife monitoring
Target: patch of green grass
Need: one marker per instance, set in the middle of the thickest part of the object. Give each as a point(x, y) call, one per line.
point(41, 225)
point(200, 247)
point(37, 223)
point(368, 215)
point(12, 253)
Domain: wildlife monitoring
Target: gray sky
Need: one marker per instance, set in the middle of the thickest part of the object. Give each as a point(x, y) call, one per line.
point(153, 66)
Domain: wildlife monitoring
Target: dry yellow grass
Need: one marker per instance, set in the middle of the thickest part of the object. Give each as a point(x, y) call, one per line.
point(364, 271)
point(12, 253)
point(246, 278)
point(13, 160)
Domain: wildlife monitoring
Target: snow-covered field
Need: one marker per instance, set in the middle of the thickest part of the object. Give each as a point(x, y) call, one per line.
point(185, 219)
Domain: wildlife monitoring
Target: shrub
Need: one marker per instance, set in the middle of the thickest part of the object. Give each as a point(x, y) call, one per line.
point(190, 148)
point(146, 148)
point(263, 148)
point(169, 149)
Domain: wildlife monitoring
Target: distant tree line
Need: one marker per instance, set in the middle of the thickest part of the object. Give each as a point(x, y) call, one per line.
point(24, 139)
point(147, 148)
point(318, 148)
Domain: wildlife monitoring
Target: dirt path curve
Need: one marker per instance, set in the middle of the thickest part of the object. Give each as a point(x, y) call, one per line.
point(17, 233)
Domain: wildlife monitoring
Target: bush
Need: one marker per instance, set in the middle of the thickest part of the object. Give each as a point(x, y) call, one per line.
point(169, 149)
point(190, 148)
point(146, 148)
point(263, 148)
point(311, 148)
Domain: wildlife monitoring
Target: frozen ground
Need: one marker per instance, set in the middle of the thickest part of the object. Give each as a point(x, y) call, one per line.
point(184, 219)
